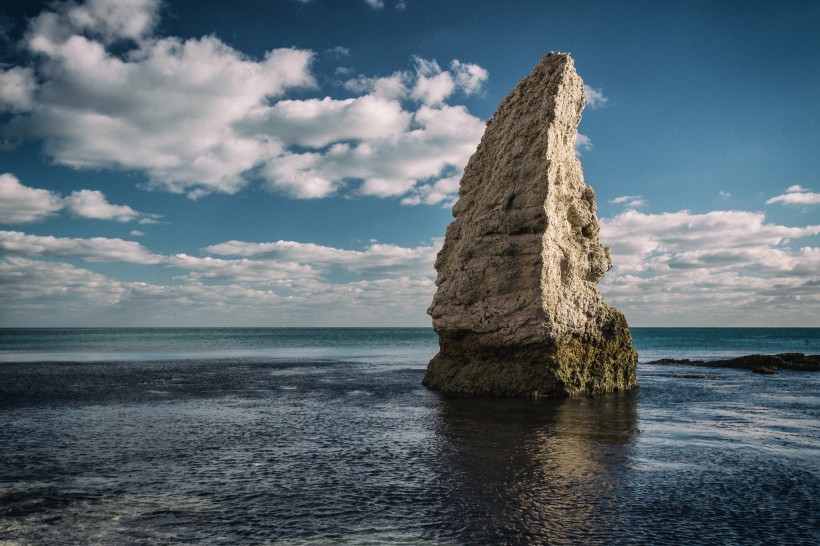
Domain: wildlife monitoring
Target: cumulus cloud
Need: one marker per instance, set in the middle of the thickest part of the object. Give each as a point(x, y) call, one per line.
point(582, 144)
point(428, 83)
point(377, 259)
point(469, 77)
point(629, 201)
point(276, 283)
point(433, 89)
point(796, 195)
point(719, 268)
point(197, 116)
point(166, 107)
point(95, 249)
point(595, 97)
point(93, 204)
point(20, 204)
point(389, 87)
point(443, 190)
point(337, 52)
point(316, 123)
point(375, 4)
point(35, 289)
point(59, 293)
point(439, 139)
point(107, 20)
point(433, 85)
point(17, 86)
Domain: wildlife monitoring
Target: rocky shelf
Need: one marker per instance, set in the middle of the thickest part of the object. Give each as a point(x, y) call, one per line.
point(764, 364)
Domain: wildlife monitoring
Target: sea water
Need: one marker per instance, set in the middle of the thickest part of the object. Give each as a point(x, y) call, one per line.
point(290, 436)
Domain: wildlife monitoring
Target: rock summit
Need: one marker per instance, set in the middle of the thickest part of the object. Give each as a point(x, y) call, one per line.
point(517, 311)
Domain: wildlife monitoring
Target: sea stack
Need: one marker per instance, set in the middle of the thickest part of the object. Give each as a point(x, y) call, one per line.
point(517, 311)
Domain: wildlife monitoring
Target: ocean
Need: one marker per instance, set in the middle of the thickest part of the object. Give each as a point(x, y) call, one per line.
point(326, 436)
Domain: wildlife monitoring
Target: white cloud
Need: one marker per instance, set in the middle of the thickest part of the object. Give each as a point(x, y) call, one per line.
point(41, 288)
point(377, 259)
point(720, 268)
point(389, 87)
point(106, 20)
point(316, 123)
point(93, 204)
point(438, 139)
point(197, 116)
point(48, 293)
point(243, 270)
point(96, 249)
point(582, 143)
point(136, 233)
point(796, 195)
point(629, 201)
point(166, 107)
point(469, 77)
point(441, 190)
point(432, 84)
point(17, 86)
point(375, 4)
point(248, 262)
point(20, 204)
point(724, 193)
point(595, 97)
point(338, 51)
point(280, 283)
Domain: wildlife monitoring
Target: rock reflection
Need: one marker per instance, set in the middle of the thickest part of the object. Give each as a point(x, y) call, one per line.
point(526, 471)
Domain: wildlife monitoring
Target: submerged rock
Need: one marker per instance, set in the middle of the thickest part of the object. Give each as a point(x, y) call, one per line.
point(764, 370)
point(516, 310)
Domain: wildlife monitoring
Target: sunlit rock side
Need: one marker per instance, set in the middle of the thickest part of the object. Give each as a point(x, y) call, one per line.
point(517, 311)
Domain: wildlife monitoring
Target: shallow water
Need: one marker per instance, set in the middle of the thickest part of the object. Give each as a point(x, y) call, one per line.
point(321, 450)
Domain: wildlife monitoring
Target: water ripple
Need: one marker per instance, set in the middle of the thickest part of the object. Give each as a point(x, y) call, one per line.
point(316, 452)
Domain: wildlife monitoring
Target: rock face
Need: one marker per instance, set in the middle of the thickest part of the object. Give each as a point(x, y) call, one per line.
point(516, 310)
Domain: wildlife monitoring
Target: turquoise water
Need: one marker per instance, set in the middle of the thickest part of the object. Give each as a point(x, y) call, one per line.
point(326, 436)
point(139, 344)
point(390, 344)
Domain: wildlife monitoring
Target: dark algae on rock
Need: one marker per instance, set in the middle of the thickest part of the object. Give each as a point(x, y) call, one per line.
point(517, 311)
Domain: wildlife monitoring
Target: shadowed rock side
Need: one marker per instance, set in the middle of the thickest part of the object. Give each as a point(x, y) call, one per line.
point(516, 310)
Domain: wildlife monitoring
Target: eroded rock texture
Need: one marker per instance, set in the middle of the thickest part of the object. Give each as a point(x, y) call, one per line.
point(516, 310)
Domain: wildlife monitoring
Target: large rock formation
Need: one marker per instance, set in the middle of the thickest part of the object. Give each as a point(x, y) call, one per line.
point(517, 311)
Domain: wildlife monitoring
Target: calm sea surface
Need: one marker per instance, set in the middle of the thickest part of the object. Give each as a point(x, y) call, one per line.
point(314, 436)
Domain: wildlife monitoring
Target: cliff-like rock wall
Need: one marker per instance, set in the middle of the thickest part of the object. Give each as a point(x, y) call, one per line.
point(516, 310)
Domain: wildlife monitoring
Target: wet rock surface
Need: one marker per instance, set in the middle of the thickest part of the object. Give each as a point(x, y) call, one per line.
point(517, 311)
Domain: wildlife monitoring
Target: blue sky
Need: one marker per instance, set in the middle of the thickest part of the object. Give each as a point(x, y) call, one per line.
point(293, 163)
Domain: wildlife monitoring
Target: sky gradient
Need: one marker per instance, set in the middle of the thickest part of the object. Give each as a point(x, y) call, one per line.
point(293, 163)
